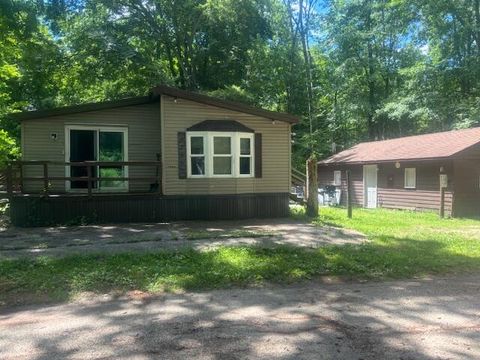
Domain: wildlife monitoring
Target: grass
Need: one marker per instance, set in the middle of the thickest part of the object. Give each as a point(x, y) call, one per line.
point(402, 245)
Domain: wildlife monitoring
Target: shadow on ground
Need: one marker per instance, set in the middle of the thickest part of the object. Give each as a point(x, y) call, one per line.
point(427, 319)
point(61, 241)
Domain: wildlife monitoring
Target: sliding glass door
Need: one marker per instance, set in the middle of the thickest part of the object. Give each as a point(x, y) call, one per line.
point(82, 148)
point(97, 144)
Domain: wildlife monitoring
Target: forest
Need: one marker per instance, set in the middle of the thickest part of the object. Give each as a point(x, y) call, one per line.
point(354, 70)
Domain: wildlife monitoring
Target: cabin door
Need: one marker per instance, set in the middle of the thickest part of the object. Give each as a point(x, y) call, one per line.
point(370, 186)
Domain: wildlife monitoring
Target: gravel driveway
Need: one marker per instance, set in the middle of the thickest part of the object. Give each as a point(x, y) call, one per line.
point(420, 319)
point(61, 240)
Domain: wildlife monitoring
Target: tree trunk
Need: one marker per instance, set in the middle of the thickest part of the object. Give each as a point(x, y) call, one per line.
point(303, 22)
point(477, 21)
point(370, 82)
point(312, 187)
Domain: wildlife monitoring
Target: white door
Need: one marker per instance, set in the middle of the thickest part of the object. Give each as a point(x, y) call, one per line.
point(370, 186)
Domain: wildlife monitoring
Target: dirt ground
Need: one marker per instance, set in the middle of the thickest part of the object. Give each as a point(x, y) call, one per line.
point(435, 318)
point(59, 241)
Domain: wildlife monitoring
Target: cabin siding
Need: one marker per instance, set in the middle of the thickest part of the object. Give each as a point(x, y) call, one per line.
point(325, 177)
point(144, 137)
point(392, 194)
point(426, 195)
point(467, 187)
point(180, 114)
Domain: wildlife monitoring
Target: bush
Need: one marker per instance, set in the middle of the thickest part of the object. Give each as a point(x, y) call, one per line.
point(8, 148)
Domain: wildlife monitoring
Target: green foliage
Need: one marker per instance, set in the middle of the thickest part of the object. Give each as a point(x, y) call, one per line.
point(8, 148)
point(353, 70)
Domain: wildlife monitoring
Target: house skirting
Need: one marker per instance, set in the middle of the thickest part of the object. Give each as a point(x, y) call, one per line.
point(125, 208)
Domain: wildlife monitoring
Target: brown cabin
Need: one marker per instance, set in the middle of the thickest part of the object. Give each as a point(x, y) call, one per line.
point(410, 172)
point(168, 156)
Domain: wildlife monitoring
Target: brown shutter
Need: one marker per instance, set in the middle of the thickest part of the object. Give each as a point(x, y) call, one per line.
point(182, 155)
point(258, 155)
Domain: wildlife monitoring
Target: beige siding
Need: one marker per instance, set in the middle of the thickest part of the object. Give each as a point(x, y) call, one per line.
point(178, 116)
point(142, 121)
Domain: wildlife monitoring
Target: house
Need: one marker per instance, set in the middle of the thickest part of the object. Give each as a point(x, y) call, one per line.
point(409, 172)
point(171, 155)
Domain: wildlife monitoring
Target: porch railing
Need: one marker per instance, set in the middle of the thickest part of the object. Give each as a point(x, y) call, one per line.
point(14, 175)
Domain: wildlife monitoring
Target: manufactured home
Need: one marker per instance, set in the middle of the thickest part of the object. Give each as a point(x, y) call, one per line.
point(170, 155)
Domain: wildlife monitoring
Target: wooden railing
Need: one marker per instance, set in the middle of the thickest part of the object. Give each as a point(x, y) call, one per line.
point(15, 174)
point(298, 177)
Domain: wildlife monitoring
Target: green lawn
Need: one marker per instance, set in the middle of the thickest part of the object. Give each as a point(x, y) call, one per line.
point(403, 245)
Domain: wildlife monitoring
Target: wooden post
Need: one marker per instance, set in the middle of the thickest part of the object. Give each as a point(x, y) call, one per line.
point(9, 180)
point(89, 181)
point(20, 172)
point(349, 195)
point(442, 202)
point(45, 178)
point(312, 187)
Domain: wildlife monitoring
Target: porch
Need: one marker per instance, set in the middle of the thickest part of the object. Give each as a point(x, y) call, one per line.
point(88, 197)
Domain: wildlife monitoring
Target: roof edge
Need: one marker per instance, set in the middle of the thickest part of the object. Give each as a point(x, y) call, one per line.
point(324, 163)
point(226, 104)
point(74, 109)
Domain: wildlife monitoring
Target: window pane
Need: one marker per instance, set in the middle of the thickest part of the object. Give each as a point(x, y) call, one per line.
point(198, 165)
point(222, 165)
point(245, 166)
point(337, 177)
point(111, 172)
point(244, 146)
point(410, 177)
point(196, 145)
point(221, 145)
point(110, 146)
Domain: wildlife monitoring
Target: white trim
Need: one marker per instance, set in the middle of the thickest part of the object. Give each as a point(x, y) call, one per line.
point(98, 128)
point(335, 174)
point(203, 135)
point(208, 148)
point(414, 186)
point(251, 157)
point(365, 187)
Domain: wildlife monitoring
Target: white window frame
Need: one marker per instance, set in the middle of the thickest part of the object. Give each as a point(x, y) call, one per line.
point(251, 157)
point(99, 128)
point(337, 175)
point(208, 140)
point(212, 155)
point(190, 155)
point(410, 172)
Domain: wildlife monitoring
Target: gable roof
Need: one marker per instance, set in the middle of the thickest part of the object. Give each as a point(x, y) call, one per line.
point(226, 104)
point(74, 109)
point(154, 96)
point(420, 147)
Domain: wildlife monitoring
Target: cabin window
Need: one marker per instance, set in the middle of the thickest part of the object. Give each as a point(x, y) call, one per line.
point(337, 178)
point(220, 154)
point(410, 178)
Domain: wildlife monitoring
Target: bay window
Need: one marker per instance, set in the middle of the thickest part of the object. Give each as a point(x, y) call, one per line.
point(219, 154)
point(197, 155)
point(245, 156)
